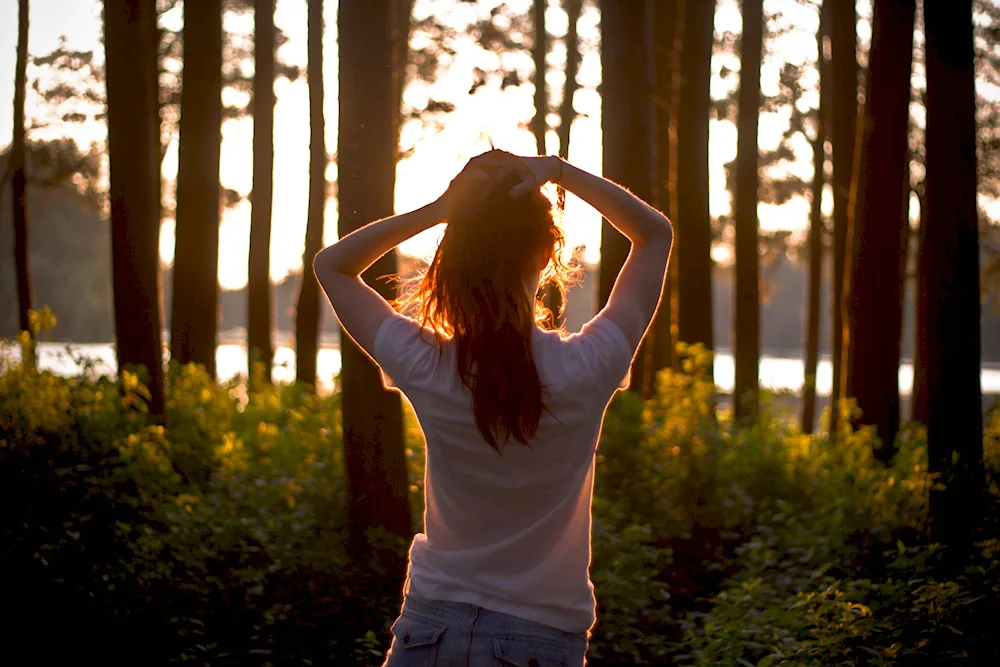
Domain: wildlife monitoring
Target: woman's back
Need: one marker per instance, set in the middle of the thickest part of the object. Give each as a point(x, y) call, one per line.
point(508, 531)
point(511, 414)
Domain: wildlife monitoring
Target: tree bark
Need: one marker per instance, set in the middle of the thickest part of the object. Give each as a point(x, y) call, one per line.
point(133, 142)
point(843, 42)
point(627, 117)
point(539, 48)
point(876, 295)
point(816, 227)
point(693, 228)
point(950, 292)
point(918, 397)
point(665, 22)
point(567, 114)
point(374, 452)
point(746, 290)
point(19, 197)
point(259, 316)
point(551, 297)
point(194, 313)
point(307, 310)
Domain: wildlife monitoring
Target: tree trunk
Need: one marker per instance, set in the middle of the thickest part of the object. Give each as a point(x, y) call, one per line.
point(693, 229)
point(307, 310)
point(918, 396)
point(876, 295)
point(567, 114)
point(816, 227)
point(666, 17)
point(374, 452)
point(538, 50)
point(539, 126)
point(746, 291)
point(843, 42)
point(259, 318)
point(133, 142)
point(627, 115)
point(194, 314)
point(951, 289)
point(18, 182)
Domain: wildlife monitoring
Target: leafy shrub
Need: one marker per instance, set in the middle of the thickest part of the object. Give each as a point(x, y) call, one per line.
point(221, 538)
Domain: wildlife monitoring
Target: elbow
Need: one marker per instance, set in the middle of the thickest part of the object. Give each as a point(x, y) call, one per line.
point(326, 262)
point(659, 234)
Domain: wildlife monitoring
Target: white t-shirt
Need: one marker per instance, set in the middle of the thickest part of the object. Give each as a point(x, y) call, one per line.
point(510, 532)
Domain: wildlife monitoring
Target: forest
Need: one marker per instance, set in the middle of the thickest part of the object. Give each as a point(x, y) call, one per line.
point(158, 513)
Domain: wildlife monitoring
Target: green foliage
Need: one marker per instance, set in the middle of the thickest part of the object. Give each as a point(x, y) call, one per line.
point(221, 538)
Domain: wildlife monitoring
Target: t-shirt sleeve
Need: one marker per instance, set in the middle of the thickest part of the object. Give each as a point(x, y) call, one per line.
point(401, 349)
point(606, 353)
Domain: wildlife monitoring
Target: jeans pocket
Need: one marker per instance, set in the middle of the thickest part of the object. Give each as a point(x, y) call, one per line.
point(415, 641)
point(533, 651)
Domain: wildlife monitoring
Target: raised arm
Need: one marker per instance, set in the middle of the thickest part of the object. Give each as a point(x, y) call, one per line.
point(637, 291)
point(360, 309)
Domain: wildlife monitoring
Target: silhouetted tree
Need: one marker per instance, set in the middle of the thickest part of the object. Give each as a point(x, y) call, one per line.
point(746, 290)
point(567, 114)
point(950, 291)
point(539, 49)
point(307, 311)
point(666, 17)
point(877, 287)
point(539, 123)
point(844, 98)
point(626, 119)
point(693, 228)
point(194, 314)
point(374, 453)
point(130, 36)
point(19, 197)
point(816, 224)
point(259, 342)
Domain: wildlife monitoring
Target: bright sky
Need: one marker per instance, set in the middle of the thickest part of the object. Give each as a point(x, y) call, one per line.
point(438, 155)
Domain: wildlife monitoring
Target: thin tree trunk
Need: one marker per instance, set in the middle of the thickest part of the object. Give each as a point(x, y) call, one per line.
point(918, 396)
point(876, 296)
point(666, 17)
point(307, 310)
point(746, 291)
point(133, 142)
point(626, 117)
point(259, 320)
point(693, 228)
point(403, 11)
point(538, 50)
point(951, 290)
point(671, 282)
point(377, 488)
point(567, 114)
point(194, 313)
point(843, 41)
point(539, 127)
point(18, 184)
point(816, 227)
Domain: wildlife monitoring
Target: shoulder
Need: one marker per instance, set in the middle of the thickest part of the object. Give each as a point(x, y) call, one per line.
point(404, 349)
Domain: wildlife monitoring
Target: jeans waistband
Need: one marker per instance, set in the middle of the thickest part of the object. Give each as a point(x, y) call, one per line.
point(467, 614)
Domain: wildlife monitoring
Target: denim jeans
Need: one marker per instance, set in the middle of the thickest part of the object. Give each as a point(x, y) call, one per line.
point(435, 633)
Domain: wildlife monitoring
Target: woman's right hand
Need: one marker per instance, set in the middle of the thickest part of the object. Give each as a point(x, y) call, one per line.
point(536, 172)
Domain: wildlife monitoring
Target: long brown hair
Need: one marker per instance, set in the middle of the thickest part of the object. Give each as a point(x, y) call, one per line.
point(475, 291)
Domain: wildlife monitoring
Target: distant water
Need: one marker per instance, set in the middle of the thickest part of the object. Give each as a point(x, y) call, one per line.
point(776, 372)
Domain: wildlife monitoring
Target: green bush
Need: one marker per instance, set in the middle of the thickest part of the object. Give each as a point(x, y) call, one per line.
point(221, 538)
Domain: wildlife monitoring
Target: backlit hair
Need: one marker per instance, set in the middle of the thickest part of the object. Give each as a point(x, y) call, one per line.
point(475, 291)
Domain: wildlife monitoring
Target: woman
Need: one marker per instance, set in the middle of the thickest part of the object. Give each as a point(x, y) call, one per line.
point(511, 413)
